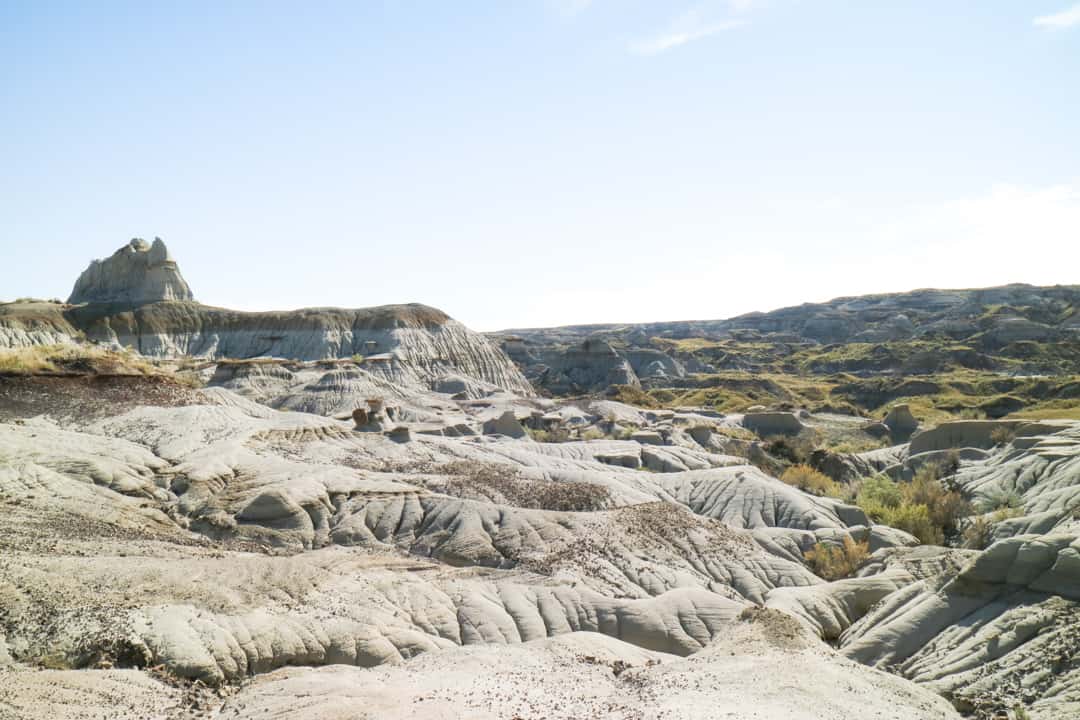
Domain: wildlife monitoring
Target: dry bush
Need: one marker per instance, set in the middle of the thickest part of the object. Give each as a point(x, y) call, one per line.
point(793, 449)
point(812, 481)
point(554, 435)
point(735, 433)
point(504, 484)
point(978, 533)
point(1002, 435)
point(833, 562)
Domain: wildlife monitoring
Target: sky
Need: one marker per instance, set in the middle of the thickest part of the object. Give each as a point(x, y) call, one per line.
point(543, 162)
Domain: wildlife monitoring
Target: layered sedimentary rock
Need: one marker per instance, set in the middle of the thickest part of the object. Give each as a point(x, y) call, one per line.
point(136, 298)
point(416, 340)
point(137, 273)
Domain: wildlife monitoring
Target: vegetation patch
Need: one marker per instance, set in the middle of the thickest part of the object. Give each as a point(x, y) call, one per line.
point(835, 562)
point(924, 507)
point(73, 359)
point(811, 481)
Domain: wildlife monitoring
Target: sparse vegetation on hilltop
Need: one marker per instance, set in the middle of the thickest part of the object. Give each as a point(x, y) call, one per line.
point(53, 359)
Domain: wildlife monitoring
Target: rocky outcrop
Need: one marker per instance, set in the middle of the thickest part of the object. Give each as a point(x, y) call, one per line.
point(136, 298)
point(137, 273)
point(505, 424)
point(901, 422)
point(404, 343)
point(772, 423)
point(592, 365)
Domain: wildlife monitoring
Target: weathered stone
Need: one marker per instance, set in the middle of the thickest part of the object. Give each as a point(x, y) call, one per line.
point(647, 437)
point(900, 421)
point(772, 423)
point(506, 424)
point(135, 274)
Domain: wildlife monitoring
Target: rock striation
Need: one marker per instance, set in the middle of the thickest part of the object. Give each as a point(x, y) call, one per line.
point(138, 273)
point(137, 298)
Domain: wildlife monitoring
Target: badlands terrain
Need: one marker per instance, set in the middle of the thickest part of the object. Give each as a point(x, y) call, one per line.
point(866, 508)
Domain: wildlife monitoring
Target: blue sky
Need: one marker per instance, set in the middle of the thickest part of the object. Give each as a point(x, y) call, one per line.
point(544, 162)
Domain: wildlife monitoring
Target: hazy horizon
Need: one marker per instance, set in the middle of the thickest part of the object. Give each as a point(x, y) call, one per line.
point(544, 163)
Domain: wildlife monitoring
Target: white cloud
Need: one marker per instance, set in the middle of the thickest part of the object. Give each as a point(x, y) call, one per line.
point(686, 28)
point(1059, 21)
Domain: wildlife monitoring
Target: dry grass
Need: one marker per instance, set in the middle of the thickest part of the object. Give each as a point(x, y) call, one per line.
point(554, 435)
point(59, 359)
point(810, 480)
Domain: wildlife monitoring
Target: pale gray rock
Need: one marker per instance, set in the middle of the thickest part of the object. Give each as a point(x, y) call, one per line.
point(960, 434)
point(900, 421)
point(647, 437)
point(592, 365)
point(592, 676)
point(505, 424)
point(226, 540)
point(773, 423)
point(135, 274)
point(983, 635)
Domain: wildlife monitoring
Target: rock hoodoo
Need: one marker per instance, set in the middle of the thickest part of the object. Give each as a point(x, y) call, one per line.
point(138, 273)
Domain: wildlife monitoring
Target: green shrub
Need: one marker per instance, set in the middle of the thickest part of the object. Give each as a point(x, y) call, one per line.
point(877, 495)
point(923, 507)
point(810, 480)
point(946, 506)
point(914, 519)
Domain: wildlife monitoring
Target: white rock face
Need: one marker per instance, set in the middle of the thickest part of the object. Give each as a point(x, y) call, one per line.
point(136, 273)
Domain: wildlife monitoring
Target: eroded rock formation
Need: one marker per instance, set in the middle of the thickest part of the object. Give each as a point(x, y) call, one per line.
point(135, 274)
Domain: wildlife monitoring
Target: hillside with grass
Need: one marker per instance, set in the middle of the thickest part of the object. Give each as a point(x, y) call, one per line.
point(1011, 351)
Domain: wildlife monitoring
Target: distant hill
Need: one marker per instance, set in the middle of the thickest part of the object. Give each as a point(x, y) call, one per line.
point(1012, 329)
